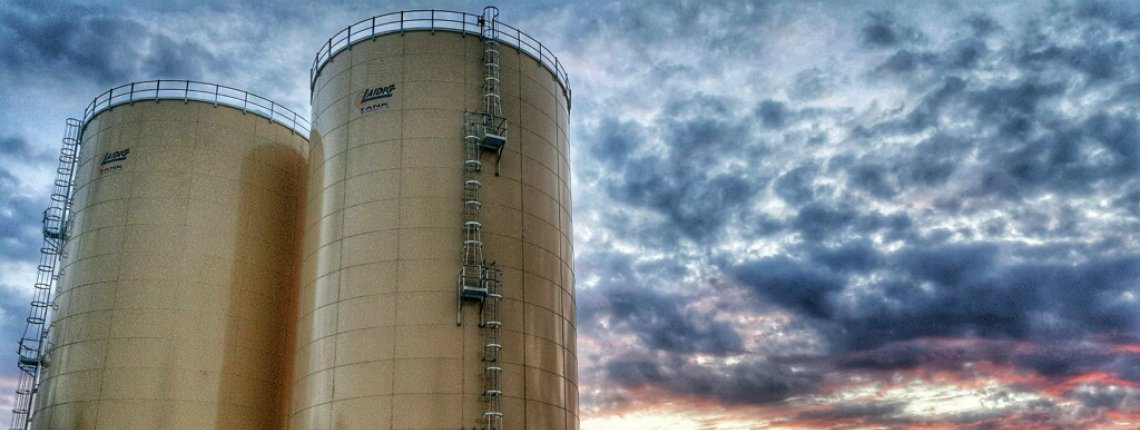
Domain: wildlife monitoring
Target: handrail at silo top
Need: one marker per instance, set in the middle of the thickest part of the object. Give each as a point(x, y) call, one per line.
point(185, 91)
point(434, 20)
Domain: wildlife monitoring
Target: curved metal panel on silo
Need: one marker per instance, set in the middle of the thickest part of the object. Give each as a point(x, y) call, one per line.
point(377, 342)
point(174, 310)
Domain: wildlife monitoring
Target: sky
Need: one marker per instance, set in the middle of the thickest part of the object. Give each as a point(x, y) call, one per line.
point(787, 214)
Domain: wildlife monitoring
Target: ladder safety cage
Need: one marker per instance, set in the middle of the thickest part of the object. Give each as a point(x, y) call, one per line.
point(478, 281)
point(33, 347)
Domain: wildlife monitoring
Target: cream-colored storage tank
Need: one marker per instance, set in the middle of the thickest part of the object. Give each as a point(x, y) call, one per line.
point(173, 312)
point(378, 346)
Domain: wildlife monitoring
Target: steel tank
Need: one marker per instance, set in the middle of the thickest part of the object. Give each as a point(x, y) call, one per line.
point(175, 306)
point(378, 345)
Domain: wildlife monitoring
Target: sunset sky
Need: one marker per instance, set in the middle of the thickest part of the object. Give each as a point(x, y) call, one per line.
point(800, 214)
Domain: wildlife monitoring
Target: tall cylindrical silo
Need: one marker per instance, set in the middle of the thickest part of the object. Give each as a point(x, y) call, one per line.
point(174, 310)
point(401, 103)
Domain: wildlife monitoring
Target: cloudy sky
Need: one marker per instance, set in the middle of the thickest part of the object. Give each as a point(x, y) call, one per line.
point(791, 214)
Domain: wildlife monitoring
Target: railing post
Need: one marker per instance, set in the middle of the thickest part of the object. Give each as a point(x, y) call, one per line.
point(244, 102)
point(373, 28)
point(186, 95)
point(131, 95)
point(157, 86)
point(216, 89)
point(401, 23)
point(432, 21)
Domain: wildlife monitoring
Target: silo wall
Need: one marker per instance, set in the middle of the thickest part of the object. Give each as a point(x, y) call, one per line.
point(377, 342)
point(174, 311)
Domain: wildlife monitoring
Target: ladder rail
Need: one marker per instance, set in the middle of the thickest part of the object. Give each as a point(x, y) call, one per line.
point(478, 281)
point(33, 346)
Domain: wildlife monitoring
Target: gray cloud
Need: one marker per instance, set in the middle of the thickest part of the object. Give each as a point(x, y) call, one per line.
point(19, 221)
point(970, 294)
point(681, 181)
point(66, 41)
point(883, 30)
point(1106, 396)
point(662, 322)
point(966, 211)
point(750, 381)
point(874, 411)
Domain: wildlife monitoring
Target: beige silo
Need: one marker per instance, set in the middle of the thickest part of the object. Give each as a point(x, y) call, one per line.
point(378, 346)
point(174, 309)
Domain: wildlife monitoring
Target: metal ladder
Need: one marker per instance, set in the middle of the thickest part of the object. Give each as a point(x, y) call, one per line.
point(33, 345)
point(478, 281)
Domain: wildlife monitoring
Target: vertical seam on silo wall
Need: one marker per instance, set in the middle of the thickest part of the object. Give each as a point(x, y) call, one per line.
point(522, 231)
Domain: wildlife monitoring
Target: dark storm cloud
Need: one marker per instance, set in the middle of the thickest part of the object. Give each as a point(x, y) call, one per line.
point(1064, 161)
point(796, 285)
point(796, 185)
point(1058, 360)
point(18, 148)
point(624, 302)
point(19, 217)
point(932, 161)
point(1106, 396)
point(696, 202)
point(772, 114)
point(750, 381)
point(883, 30)
point(64, 41)
point(1030, 144)
point(988, 127)
point(851, 256)
point(615, 140)
point(1066, 360)
point(1124, 15)
point(970, 293)
point(1097, 58)
point(680, 181)
point(814, 83)
point(982, 24)
point(663, 322)
point(817, 222)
